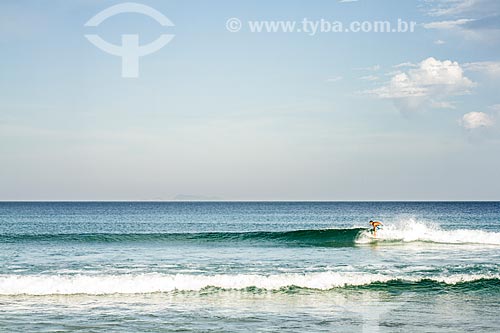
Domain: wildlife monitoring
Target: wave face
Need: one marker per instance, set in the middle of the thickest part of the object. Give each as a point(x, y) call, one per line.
point(157, 283)
point(407, 231)
point(414, 231)
point(321, 237)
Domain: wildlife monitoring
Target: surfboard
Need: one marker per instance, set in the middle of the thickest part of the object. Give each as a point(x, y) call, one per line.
point(379, 228)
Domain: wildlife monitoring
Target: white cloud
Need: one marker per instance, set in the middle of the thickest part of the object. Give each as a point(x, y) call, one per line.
point(487, 67)
point(429, 77)
point(447, 73)
point(439, 42)
point(473, 120)
point(426, 85)
point(401, 86)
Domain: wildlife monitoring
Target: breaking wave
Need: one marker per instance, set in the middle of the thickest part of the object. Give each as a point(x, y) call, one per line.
point(158, 283)
point(415, 231)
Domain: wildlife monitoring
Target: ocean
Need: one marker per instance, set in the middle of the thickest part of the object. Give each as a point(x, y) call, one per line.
point(249, 267)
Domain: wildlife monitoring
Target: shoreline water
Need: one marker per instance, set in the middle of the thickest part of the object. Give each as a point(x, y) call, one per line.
point(130, 267)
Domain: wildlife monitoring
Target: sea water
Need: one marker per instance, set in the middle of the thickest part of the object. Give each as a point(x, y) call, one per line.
point(249, 266)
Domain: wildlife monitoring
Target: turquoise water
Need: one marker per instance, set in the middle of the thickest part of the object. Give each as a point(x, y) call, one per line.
point(228, 267)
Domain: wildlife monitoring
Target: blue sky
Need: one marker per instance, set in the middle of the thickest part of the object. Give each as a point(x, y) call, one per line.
point(252, 116)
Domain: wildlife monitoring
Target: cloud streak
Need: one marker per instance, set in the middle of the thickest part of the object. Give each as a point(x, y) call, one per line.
point(473, 19)
point(446, 25)
point(461, 7)
point(491, 68)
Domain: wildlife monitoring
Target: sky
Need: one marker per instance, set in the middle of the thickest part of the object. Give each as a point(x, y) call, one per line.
point(246, 115)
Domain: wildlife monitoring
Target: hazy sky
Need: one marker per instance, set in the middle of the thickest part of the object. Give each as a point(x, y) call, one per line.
point(247, 115)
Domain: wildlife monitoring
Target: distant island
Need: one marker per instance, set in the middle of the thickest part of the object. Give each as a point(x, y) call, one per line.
point(192, 197)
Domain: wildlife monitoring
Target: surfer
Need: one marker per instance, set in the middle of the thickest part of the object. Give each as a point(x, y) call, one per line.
point(376, 225)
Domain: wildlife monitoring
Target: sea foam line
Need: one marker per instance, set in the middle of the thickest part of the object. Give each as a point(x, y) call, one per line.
point(154, 282)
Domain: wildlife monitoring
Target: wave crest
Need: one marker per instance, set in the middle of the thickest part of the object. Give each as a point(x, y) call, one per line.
point(157, 283)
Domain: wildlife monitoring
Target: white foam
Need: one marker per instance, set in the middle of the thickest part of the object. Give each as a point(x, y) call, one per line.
point(413, 231)
point(152, 283)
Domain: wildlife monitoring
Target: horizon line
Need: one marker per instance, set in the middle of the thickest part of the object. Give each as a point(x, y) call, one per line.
point(230, 201)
